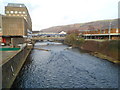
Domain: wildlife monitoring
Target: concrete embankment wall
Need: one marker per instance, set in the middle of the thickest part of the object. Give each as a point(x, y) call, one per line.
point(11, 68)
point(108, 48)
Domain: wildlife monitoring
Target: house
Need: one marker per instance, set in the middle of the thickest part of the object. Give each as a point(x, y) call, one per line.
point(63, 32)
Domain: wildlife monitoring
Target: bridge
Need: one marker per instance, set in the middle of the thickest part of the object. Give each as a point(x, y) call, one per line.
point(47, 38)
point(86, 36)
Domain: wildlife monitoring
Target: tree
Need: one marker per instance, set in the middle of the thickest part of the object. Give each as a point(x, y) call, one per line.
point(75, 31)
point(90, 27)
point(73, 39)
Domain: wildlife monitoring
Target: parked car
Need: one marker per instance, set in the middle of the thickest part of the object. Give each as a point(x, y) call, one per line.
point(2, 44)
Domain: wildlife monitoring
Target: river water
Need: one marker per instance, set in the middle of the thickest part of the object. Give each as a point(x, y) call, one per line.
point(64, 67)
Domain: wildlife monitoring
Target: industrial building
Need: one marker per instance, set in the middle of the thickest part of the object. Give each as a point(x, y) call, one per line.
point(16, 23)
point(112, 34)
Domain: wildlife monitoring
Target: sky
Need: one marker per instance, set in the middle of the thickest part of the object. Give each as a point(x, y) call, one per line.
point(48, 13)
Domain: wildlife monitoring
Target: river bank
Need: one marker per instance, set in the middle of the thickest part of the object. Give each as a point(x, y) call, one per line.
point(107, 50)
point(13, 65)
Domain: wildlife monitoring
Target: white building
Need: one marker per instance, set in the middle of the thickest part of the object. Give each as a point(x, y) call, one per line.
point(62, 32)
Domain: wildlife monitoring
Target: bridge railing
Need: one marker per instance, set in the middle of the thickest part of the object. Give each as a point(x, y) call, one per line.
point(46, 38)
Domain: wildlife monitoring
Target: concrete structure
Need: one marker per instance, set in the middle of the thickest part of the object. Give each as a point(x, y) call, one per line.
point(114, 33)
point(47, 38)
point(12, 65)
point(0, 28)
point(14, 26)
point(48, 34)
point(16, 23)
point(19, 10)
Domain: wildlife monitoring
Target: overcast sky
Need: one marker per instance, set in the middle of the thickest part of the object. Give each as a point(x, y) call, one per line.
point(48, 13)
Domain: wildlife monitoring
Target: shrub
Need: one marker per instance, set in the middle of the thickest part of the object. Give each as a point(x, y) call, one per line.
point(73, 39)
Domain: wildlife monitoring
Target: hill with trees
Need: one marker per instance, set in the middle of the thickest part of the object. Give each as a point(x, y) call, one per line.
point(101, 24)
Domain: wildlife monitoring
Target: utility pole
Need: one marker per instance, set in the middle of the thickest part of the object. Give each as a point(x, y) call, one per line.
point(109, 30)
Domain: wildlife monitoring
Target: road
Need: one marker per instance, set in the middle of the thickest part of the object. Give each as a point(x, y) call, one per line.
point(65, 68)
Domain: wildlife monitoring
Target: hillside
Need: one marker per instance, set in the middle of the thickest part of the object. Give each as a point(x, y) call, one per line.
point(101, 24)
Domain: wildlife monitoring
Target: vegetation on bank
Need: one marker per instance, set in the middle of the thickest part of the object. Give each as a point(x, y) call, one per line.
point(108, 50)
point(74, 39)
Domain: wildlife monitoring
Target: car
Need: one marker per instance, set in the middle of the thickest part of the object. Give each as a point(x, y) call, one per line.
point(2, 44)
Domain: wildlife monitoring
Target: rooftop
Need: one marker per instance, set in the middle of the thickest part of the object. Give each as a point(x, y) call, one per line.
point(16, 5)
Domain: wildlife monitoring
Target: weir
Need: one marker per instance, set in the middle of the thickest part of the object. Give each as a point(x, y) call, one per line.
point(42, 49)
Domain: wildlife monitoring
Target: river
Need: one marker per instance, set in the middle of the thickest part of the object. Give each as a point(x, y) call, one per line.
point(64, 67)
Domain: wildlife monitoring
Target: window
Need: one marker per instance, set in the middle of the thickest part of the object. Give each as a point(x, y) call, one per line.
point(117, 30)
point(104, 31)
point(16, 12)
point(20, 12)
point(7, 11)
point(23, 12)
point(11, 11)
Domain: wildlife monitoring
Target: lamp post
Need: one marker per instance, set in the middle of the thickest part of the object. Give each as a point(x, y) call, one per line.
point(109, 30)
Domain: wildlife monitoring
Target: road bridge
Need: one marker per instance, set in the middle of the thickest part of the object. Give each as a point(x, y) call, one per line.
point(47, 38)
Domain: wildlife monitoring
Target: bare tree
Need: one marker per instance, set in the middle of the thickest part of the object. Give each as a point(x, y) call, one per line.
point(75, 31)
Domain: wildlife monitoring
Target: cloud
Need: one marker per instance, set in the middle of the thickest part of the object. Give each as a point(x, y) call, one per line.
point(47, 13)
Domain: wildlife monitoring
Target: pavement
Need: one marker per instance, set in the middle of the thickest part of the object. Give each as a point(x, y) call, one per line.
point(5, 55)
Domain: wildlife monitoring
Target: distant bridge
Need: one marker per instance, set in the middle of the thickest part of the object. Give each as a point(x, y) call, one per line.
point(86, 36)
point(48, 38)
